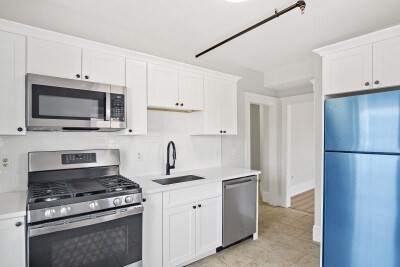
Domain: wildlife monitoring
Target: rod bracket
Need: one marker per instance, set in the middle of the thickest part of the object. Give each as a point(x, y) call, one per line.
point(302, 5)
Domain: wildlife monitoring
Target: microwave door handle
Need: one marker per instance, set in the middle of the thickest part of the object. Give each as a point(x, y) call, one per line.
point(42, 230)
point(108, 107)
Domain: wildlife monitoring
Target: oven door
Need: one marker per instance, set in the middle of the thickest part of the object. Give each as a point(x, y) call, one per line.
point(104, 239)
point(56, 104)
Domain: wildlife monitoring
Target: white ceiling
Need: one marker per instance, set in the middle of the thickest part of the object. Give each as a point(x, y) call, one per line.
point(179, 29)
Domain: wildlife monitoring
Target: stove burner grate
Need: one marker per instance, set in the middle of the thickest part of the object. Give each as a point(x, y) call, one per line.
point(117, 183)
point(48, 191)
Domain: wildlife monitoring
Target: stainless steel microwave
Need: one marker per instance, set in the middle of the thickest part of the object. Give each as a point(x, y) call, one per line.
point(57, 104)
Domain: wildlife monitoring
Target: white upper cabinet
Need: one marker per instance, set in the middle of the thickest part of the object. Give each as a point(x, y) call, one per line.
point(163, 87)
point(54, 59)
point(191, 90)
point(347, 71)
point(103, 68)
point(228, 106)
point(12, 242)
point(387, 63)
point(219, 115)
point(136, 89)
point(12, 84)
point(208, 225)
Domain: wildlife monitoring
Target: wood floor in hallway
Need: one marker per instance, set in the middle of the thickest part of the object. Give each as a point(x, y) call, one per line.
point(304, 201)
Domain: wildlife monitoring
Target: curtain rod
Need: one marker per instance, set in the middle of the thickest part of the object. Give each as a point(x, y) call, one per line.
point(301, 4)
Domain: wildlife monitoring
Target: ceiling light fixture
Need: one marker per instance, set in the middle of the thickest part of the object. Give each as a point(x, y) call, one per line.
point(300, 4)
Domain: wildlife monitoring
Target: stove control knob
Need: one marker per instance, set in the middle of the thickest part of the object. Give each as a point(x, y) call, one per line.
point(49, 213)
point(117, 202)
point(129, 199)
point(65, 210)
point(92, 205)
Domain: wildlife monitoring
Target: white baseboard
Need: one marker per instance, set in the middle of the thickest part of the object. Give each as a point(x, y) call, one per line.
point(317, 233)
point(265, 196)
point(303, 187)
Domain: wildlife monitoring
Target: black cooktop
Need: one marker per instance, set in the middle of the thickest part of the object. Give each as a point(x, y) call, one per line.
point(39, 192)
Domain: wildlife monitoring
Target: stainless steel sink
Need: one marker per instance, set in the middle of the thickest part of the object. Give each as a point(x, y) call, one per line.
point(179, 179)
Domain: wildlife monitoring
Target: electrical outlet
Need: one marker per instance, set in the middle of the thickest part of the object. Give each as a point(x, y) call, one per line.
point(139, 156)
point(5, 162)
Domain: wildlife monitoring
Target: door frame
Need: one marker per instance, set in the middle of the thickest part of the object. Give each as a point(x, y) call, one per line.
point(273, 103)
point(287, 103)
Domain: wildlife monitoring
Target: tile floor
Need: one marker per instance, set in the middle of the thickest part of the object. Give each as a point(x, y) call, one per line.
point(285, 240)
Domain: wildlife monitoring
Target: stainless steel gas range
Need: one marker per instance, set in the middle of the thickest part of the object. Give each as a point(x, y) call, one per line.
point(81, 211)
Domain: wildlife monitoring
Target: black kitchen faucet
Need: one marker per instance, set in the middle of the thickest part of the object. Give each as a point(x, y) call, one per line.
point(169, 166)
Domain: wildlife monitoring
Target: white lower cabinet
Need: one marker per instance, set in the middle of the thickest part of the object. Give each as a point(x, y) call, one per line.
point(152, 230)
point(12, 242)
point(191, 230)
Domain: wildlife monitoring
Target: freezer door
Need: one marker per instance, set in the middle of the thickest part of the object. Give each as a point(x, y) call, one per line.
point(361, 210)
point(366, 123)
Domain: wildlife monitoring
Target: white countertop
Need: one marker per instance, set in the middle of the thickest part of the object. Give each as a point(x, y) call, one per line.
point(211, 175)
point(13, 204)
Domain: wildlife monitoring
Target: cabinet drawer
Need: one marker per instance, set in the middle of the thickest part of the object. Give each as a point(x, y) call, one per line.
point(192, 194)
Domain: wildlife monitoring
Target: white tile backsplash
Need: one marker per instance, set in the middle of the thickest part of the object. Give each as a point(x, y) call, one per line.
point(193, 152)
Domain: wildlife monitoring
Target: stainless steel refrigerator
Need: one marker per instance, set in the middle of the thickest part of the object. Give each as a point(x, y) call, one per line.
point(361, 224)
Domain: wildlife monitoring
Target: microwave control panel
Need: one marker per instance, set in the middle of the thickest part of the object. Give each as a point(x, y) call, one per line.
point(117, 107)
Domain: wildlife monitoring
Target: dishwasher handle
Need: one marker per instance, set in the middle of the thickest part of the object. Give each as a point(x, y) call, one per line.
point(240, 183)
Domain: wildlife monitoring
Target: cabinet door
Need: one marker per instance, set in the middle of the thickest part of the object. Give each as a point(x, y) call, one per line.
point(191, 90)
point(179, 234)
point(208, 225)
point(136, 85)
point(54, 59)
point(152, 230)
point(12, 242)
point(228, 102)
point(103, 68)
point(12, 84)
point(163, 85)
point(387, 63)
point(211, 113)
point(348, 71)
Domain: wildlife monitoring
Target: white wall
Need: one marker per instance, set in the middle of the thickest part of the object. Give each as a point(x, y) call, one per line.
point(255, 137)
point(193, 152)
point(302, 162)
point(264, 129)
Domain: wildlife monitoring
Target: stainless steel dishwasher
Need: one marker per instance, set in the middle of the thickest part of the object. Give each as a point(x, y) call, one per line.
point(239, 209)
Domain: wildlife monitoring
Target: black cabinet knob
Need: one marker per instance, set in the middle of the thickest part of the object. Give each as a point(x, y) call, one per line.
point(376, 82)
point(224, 131)
point(78, 76)
point(176, 104)
point(194, 207)
point(144, 200)
point(18, 224)
point(86, 77)
point(367, 84)
point(220, 131)
point(130, 130)
point(199, 205)
point(20, 129)
point(181, 104)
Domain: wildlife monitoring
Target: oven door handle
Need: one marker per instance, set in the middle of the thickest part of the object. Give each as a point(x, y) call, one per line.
point(43, 229)
point(108, 106)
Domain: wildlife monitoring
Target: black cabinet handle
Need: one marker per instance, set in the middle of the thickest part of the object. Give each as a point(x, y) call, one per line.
point(78, 76)
point(224, 131)
point(144, 200)
point(86, 77)
point(194, 207)
point(367, 84)
point(221, 131)
point(177, 104)
point(130, 130)
point(199, 205)
point(376, 82)
point(18, 224)
point(20, 129)
point(181, 104)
